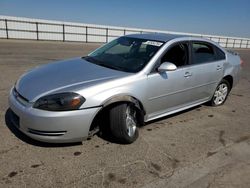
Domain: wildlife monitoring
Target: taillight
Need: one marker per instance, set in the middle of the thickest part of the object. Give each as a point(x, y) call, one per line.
point(241, 62)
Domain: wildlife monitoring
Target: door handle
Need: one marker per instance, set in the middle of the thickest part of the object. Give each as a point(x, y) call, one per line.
point(218, 67)
point(187, 74)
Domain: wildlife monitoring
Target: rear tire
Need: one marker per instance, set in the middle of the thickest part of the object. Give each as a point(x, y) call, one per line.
point(221, 93)
point(123, 123)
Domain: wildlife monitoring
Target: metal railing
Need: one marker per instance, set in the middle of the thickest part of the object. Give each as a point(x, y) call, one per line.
point(87, 34)
point(38, 30)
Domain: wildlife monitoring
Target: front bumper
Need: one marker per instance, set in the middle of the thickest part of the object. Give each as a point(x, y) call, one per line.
point(53, 127)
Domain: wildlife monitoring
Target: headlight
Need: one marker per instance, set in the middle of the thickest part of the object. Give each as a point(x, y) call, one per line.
point(60, 102)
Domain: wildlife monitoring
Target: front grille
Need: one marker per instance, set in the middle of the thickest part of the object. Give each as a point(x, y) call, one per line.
point(47, 133)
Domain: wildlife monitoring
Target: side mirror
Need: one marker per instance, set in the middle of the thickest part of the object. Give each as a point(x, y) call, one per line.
point(167, 66)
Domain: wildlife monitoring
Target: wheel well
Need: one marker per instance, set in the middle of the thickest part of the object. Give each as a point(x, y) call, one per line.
point(103, 118)
point(229, 79)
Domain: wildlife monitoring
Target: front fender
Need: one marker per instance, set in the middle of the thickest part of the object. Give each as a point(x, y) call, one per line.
point(124, 98)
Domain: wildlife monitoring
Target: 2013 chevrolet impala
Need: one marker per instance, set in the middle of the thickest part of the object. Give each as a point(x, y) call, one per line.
point(133, 79)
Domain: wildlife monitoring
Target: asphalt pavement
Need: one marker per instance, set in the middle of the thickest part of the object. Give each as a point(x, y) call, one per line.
point(201, 147)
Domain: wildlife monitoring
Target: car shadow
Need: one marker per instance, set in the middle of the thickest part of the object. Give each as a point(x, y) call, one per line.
point(105, 134)
point(28, 140)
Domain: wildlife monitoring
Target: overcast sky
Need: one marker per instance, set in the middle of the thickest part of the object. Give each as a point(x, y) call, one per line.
point(219, 17)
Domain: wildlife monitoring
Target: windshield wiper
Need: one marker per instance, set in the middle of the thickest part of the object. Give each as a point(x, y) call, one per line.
point(110, 66)
point(97, 62)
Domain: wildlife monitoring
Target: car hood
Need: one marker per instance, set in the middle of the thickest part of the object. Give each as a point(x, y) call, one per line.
point(63, 76)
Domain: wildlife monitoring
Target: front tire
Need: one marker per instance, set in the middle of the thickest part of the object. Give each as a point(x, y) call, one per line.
point(221, 93)
point(123, 123)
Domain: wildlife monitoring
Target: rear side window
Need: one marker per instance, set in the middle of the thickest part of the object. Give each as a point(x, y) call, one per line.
point(202, 53)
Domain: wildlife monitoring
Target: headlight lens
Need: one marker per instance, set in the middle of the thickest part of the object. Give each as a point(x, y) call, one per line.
point(60, 102)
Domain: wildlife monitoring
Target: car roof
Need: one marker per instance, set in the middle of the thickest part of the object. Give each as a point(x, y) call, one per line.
point(162, 37)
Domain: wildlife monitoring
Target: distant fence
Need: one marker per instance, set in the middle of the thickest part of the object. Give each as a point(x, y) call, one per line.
point(36, 29)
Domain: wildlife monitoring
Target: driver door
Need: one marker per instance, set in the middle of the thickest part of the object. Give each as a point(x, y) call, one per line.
point(170, 90)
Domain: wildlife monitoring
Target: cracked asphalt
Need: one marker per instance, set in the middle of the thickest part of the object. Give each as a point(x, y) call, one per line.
point(200, 147)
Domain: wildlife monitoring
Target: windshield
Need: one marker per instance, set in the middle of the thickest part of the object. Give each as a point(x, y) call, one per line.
point(125, 54)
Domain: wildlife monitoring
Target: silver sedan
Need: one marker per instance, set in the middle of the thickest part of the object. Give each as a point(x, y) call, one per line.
point(129, 81)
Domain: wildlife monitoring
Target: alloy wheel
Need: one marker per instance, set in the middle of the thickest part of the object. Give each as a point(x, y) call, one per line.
point(220, 94)
point(130, 120)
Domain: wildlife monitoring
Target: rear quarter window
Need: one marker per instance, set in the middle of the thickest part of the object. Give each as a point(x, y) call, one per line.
point(220, 54)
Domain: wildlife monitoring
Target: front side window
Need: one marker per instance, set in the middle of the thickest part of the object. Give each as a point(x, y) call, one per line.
point(177, 54)
point(202, 53)
point(125, 54)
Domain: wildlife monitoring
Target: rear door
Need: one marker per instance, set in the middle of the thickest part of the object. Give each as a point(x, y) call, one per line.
point(206, 67)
